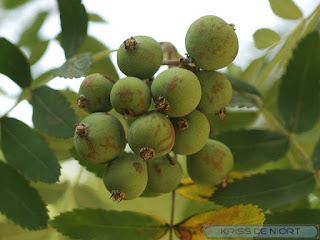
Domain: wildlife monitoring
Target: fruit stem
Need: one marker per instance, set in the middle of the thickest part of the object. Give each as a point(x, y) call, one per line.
point(181, 61)
point(170, 159)
point(173, 200)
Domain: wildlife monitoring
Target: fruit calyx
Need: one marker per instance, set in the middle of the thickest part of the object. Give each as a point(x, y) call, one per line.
point(82, 102)
point(182, 124)
point(222, 113)
point(162, 104)
point(117, 195)
point(147, 153)
point(81, 130)
point(128, 114)
point(130, 44)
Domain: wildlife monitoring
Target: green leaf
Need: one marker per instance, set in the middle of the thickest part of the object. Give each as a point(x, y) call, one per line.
point(316, 156)
point(97, 169)
point(30, 36)
point(51, 193)
point(10, 4)
point(37, 51)
point(297, 216)
point(20, 202)
point(11, 231)
point(74, 23)
point(52, 113)
point(269, 190)
point(252, 148)
point(253, 69)
point(103, 66)
point(299, 98)
point(14, 64)
point(26, 151)
point(76, 67)
point(241, 86)
point(265, 37)
point(86, 197)
point(244, 100)
point(285, 9)
point(101, 224)
point(93, 17)
point(234, 119)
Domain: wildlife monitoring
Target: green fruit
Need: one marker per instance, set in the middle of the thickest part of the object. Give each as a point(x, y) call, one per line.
point(216, 91)
point(163, 175)
point(94, 93)
point(151, 135)
point(125, 177)
point(130, 96)
point(192, 132)
point(139, 56)
point(99, 138)
point(210, 166)
point(176, 92)
point(211, 42)
point(234, 119)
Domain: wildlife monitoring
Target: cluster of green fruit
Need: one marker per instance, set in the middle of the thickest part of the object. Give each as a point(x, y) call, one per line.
point(167, 114)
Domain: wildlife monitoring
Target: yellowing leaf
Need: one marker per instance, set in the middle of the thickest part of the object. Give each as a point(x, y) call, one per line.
point(192, 228)
point(198, 193)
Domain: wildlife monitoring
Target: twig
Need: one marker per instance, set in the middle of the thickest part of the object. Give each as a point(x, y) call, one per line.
point(173, 199)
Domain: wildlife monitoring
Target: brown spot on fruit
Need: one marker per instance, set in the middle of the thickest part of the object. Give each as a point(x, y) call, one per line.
point(92, 153)
point(108, 144)
point(157, 169)
point(172, 84)
point(138, 167)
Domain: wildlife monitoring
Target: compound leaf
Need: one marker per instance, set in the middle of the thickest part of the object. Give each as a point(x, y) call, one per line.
point(189, 190)
point(30, 35)
point(52, 113)
point(269, 190)
point(75, 67)
point(104, 65)
point(99, 224)
point(74, 24)
point(20, 202)
point(285, 9)
point(265, 37)
point(26, 150)
point(252, 148)
point(192, 228)
point(299, 98)
point(14, 64)
point(296, 216)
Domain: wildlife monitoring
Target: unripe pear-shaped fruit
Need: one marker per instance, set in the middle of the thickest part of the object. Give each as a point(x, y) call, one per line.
point(99, 138)
point(130, 96)
point(139, 56)
point(192, 132)
point(216, 91)
point(151, 135)
point(211, 42)
point(94, 93)
point(176, 92)
point(163, 175)
point(125, 177)
point(210, 166)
